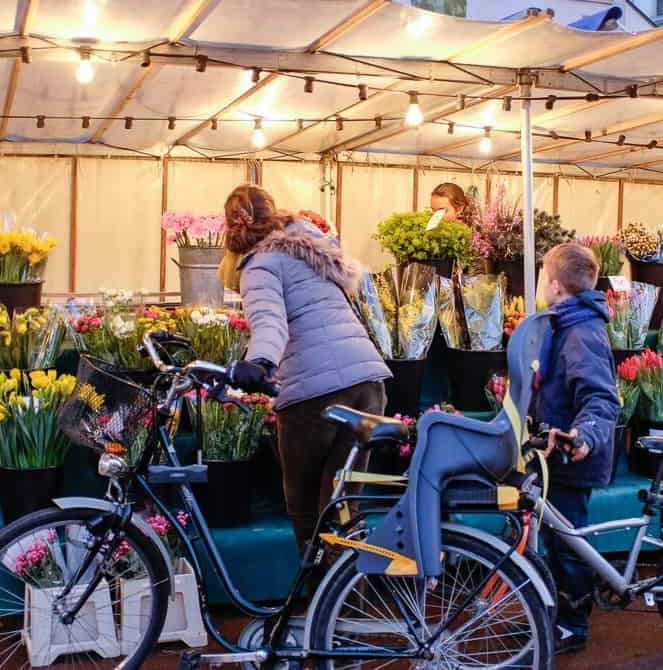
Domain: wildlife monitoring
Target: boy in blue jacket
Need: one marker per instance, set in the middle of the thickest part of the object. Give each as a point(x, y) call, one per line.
point(576, 394)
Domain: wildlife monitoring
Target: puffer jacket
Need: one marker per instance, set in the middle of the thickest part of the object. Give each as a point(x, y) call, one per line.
point(294, 287)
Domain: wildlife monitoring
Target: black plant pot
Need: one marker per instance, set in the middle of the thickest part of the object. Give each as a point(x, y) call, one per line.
point(404, 389)
point(469, 372)
point(621, 438)
point(226, 498)
point(603, 284)
point(443, 266)
point(650, 273)
point(26, 491)
point(21, 296)
point(515, 275)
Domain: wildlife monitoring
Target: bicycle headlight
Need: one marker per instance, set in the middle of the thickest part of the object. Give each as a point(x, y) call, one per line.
point(111, 465)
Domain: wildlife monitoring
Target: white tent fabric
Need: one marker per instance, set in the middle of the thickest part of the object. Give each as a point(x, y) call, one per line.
point(337, 42)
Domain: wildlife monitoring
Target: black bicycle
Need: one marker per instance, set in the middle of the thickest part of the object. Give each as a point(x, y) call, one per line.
point(70, 576)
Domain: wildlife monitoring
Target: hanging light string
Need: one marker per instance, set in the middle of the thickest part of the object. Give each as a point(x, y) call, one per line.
point(258, 123)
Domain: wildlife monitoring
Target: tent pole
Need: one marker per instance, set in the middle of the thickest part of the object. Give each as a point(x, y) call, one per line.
point(526, 80)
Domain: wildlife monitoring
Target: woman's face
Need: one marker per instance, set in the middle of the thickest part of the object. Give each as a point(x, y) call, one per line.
point(438, 202)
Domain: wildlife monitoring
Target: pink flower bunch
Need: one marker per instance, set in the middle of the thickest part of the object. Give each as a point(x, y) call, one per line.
point(238, 323)
point(159, 524)
point(33, 557)
point(187, 230)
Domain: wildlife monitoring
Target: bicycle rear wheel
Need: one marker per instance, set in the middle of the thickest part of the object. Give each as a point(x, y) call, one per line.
point(505, 626)
point(123, 593)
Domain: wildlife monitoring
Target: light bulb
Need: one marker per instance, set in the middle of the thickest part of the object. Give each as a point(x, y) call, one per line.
point(486, 145)
point(90, 13)
point(420, 26)
point(85, 72)
point(258, 138)
point(414, 117)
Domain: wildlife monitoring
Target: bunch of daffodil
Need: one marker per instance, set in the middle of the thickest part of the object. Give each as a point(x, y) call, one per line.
point(23, 255)
point(29, 407)
point(30, 339)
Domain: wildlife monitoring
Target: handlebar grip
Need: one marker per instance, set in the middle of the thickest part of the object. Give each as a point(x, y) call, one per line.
point(566, 438)
point(165, 336)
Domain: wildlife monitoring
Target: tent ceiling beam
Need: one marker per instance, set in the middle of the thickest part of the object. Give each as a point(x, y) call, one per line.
point(24, 24)
point(394, 129)
point(181, 27)
point(347, 23)
point(623, 46)
point(305, 63)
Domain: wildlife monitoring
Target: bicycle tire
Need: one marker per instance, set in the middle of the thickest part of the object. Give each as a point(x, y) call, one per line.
point(543, 569)
point(151, 559)
point(332, 600)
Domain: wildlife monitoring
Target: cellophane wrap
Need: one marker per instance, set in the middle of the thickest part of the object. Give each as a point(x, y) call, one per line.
point(483, 305)
point(630, 315)
point(377, 301)
point(417, 311)
point(447, 313)
point(642, 302)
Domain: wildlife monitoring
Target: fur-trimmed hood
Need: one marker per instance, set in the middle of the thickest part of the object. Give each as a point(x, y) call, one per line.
point(320, 253)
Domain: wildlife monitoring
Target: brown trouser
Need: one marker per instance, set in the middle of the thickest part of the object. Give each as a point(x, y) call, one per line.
point(313, 450)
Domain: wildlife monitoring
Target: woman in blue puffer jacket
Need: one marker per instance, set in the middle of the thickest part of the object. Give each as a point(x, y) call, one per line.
point(294, 283)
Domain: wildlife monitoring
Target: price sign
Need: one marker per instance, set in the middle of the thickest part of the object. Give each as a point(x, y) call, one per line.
point(434, 220)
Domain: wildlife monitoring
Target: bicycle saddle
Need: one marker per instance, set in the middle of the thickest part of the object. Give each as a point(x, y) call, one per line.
point(368, 428)
point(652, 443)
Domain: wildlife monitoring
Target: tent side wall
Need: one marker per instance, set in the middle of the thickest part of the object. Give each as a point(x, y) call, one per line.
point(118, 203)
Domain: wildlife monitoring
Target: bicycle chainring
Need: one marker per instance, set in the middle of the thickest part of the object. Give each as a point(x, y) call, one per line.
point(252, 637)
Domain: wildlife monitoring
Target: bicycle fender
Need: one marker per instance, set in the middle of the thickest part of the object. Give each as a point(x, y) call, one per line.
point(501, 546)
point(106, 506)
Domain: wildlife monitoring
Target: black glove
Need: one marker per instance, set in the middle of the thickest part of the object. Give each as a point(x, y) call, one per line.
point(248, 375)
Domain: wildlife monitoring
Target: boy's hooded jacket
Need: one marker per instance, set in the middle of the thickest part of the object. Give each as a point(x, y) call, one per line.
point(578, 389)
point(294, 287)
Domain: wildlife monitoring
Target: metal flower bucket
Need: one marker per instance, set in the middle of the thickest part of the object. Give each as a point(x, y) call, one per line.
point(199, 278)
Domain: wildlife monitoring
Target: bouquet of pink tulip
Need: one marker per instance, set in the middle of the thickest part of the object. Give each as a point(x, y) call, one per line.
point(186, 230)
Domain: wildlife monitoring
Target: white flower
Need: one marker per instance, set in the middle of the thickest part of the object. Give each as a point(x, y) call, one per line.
point(121, 327)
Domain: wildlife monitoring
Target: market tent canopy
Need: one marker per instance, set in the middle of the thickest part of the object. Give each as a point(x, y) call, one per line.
point(190, 78)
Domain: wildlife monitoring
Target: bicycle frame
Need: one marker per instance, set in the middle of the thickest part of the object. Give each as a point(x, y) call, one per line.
point(577, 540)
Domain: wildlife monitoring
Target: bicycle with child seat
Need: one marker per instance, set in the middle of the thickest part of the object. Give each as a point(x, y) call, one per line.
point(64, 570)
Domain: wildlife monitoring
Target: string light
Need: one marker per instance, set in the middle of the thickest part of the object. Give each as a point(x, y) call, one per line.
point(300, 125)
point(339, 124)
point(414, 117)
point(308, 84)
point(632, 91)
point(41, 121)
point(26, 55)
point(652, 145)
point(146, 60)
point(85, 71)
point(620, 140)
point(378, 122)
point(451, 127)
point(171, 122)
point(486, 144)
point(550, 101)
point(215, 124)
point(201, 63)
point(86, 121)
point(506, 104)
point(554, 135)
point(255, 74)
point(128, 123)
point(363, 92)
point(592, 97)
point(461, 102)
point(258, 138)
point(588, 136)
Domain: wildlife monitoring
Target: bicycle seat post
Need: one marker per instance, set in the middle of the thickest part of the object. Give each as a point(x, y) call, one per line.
point(345, 471)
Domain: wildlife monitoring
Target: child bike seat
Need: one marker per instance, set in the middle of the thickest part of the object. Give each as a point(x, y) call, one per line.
point(451, 446)
point(368, 428)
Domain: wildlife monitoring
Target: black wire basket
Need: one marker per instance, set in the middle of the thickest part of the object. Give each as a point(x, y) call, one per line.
point(108, 411)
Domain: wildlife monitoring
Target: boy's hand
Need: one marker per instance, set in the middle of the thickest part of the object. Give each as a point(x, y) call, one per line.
point(577, 454)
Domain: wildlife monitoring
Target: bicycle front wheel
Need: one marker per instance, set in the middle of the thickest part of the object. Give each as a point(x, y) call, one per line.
point(373, 619)
point(64, 605)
